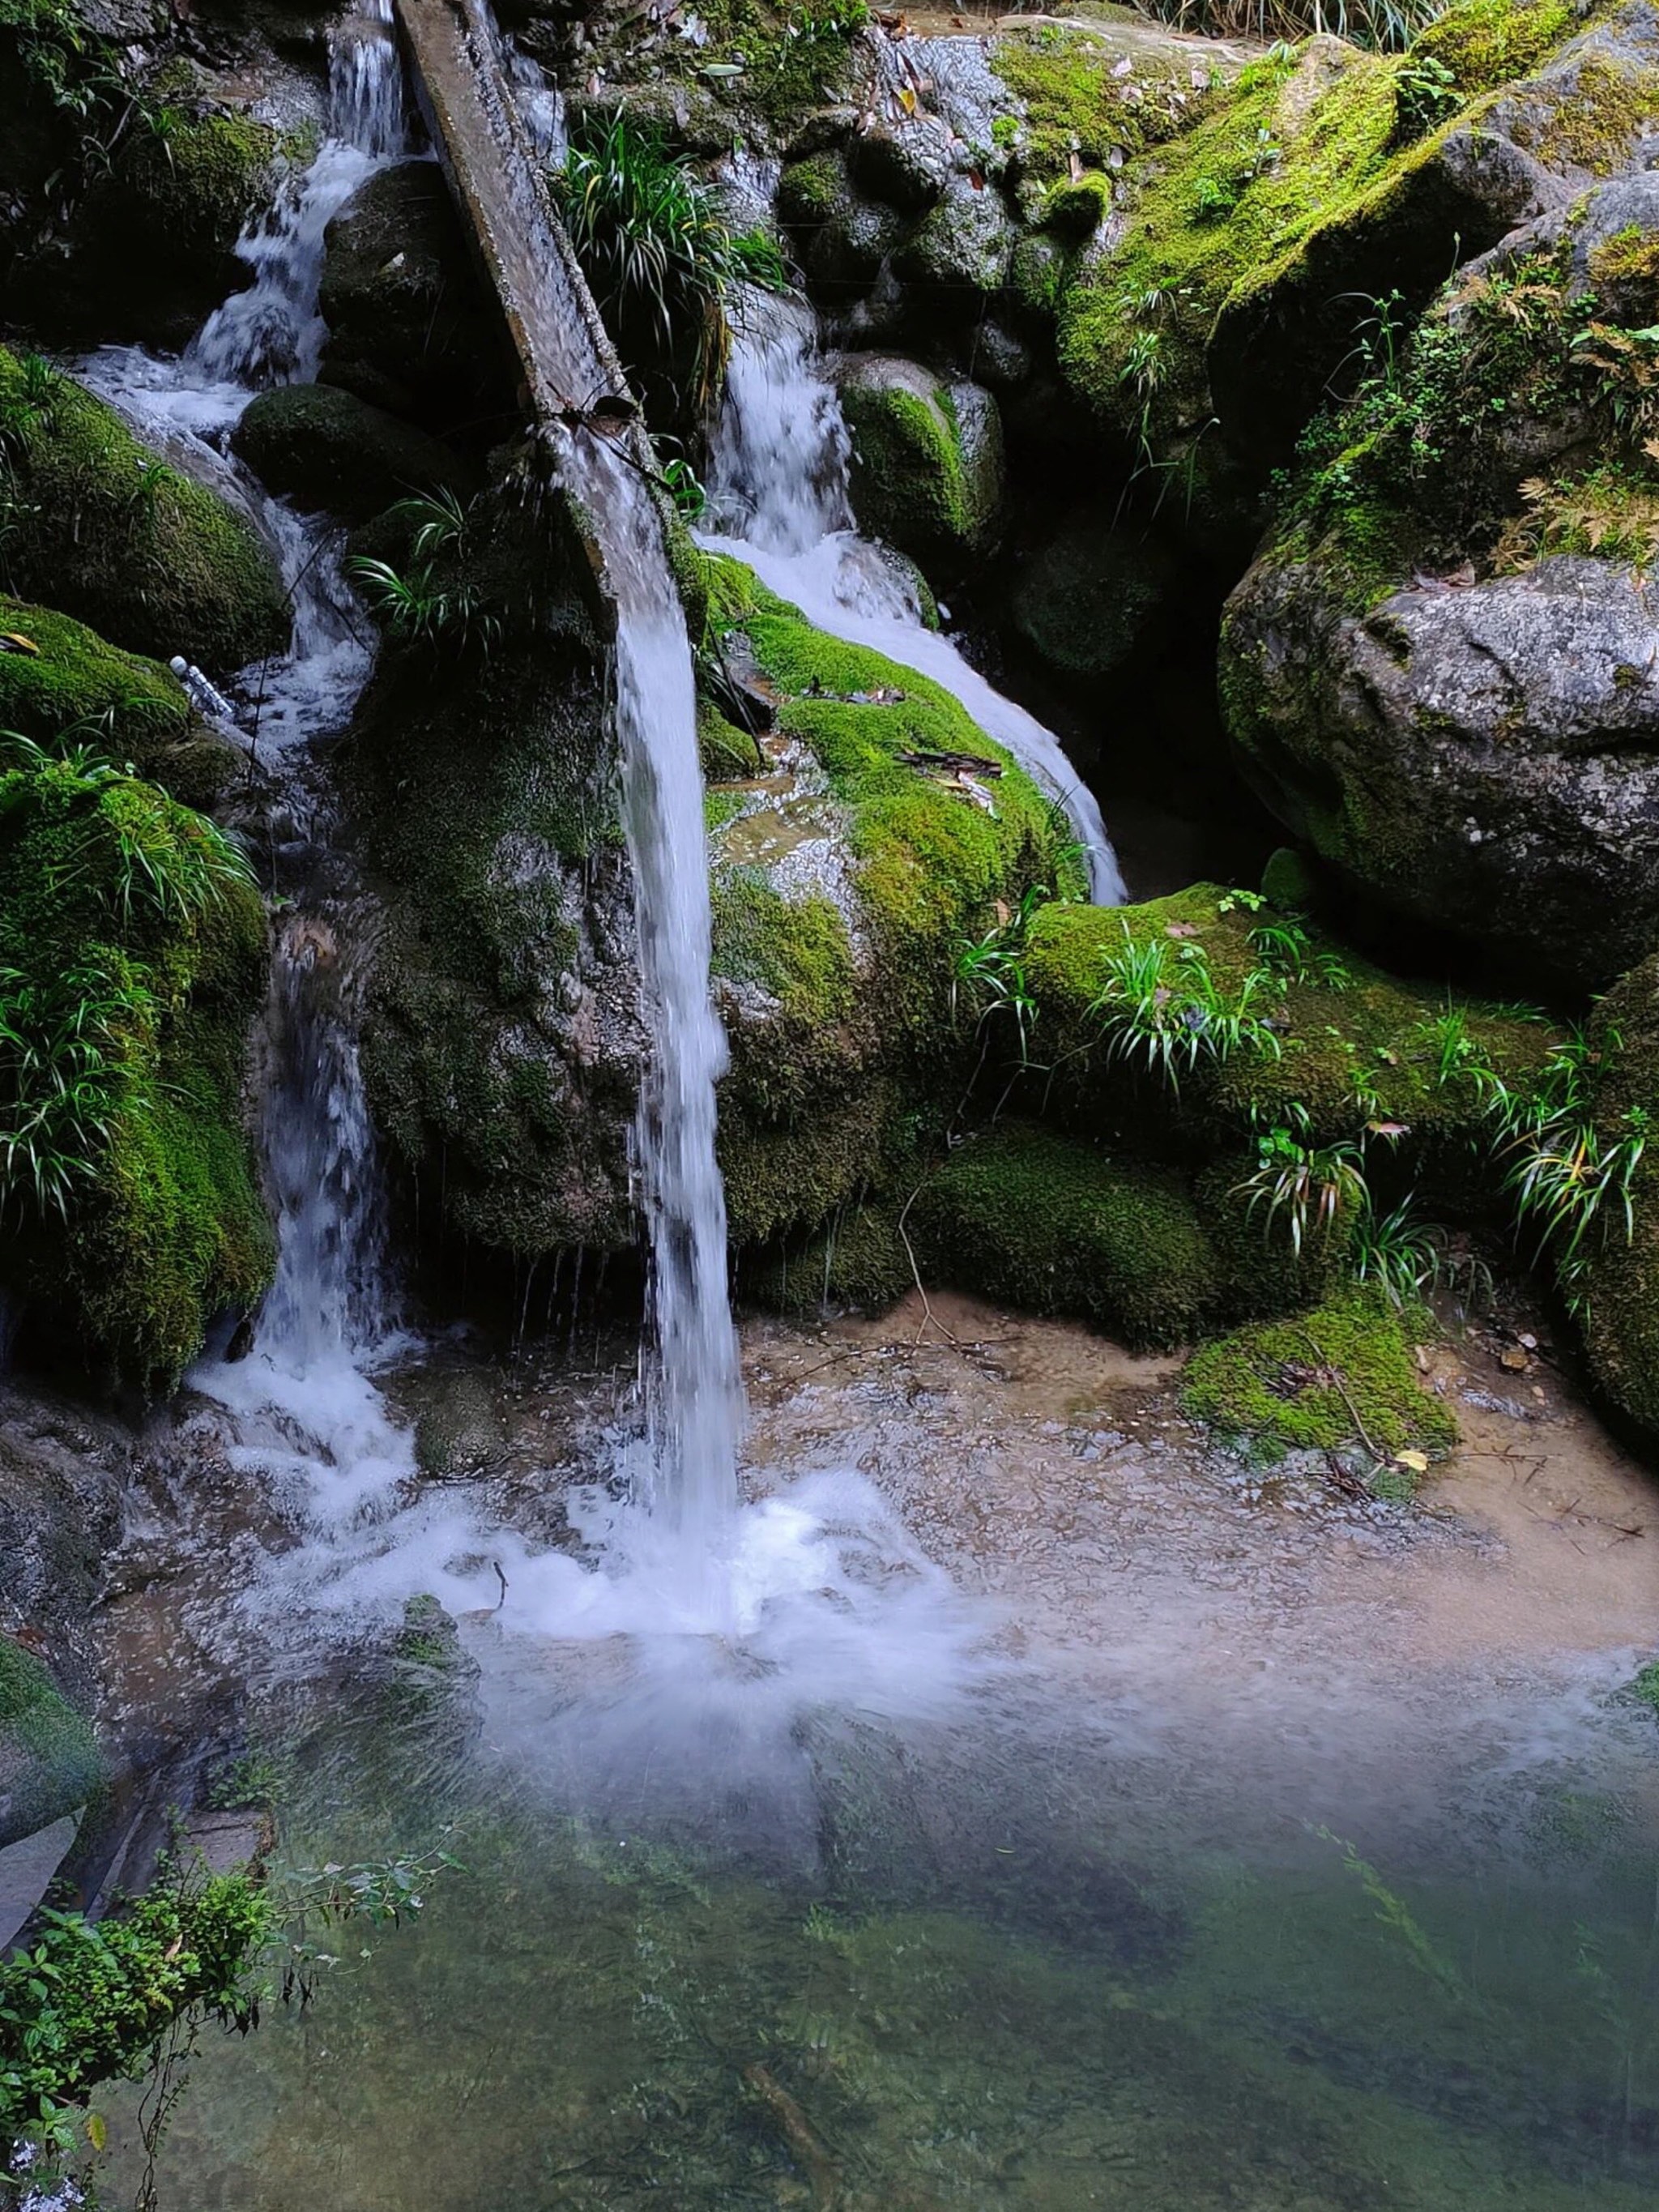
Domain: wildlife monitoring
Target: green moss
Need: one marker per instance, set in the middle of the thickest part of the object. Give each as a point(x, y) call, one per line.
point(1488, 43)
point(1620, 1292)
point(1311, 161)
point(1077, 99)
point(1341, 1374)
point(1054, 1227)
point(796, 950)
point(164, 1228)
point(326, 448)
point(1221, 215)
point(200, 175)
point(1612, 101)
point(913, 481)
point(103, 529)
point(814, 192)
point(1645, 1687)
point(1077, 208)
point(75, 681)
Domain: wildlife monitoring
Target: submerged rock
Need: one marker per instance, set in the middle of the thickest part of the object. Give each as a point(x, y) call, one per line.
point(1094, 597)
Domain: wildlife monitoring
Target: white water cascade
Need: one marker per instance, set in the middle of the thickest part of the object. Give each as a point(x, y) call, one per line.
point(739, 1617)
point(778, 500)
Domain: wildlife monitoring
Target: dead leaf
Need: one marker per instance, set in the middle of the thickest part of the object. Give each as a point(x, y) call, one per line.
point(1181, 929)
point(1416, 1460)
point(1513, 1359)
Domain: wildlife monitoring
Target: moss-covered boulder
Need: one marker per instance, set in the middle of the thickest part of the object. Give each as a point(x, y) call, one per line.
point(102, 527)
point(1341, 1377)
point(1052, 1225)
point(883, 834)
point(1235, 284)
point(1093, 597)
point(1439, 673)
point(927, 471)
point(410, 328)
point(50, 1762)
point(60, 680)
point(131, 960)
point(328, 449)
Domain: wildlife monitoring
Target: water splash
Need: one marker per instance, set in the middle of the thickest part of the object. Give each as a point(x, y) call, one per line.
point(779, 501)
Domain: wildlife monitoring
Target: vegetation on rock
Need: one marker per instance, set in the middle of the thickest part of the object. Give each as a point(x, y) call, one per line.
point(92, 522)
point(131, 957)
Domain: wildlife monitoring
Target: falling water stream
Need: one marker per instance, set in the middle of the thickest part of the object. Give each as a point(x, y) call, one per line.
point(779, 500)
point(810, 1865)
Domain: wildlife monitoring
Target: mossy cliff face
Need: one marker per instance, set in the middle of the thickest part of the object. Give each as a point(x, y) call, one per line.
point(885, 830)
point(133, 957)
point(1438, 670)
point(100, 526)
point(50, 1763)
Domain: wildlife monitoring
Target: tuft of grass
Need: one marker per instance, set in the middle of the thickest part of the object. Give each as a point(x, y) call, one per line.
point(656, 247)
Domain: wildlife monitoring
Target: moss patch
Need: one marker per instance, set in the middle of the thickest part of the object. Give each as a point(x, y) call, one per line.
point(914, 481)
point(158, 1226)
point(1078, 100)
point(1315, 1381)
point(1055, 1227)
point(103, 528)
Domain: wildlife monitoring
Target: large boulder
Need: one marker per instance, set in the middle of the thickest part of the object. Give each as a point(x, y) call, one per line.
point(102, 527)
point(326, 448)
point(1485, 760)
point(1440, 671)
point(409, 327)
point(928, 473)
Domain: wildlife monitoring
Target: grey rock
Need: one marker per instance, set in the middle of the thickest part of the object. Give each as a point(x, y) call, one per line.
point(1485, 759)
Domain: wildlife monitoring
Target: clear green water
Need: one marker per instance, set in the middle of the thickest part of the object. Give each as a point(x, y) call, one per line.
point(972, 1973)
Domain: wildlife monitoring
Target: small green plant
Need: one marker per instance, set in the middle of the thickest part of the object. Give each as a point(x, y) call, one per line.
point(1396, 1917)
point(653, 243)
point(1308, 1187)
point(421, 607)
point(1425, 92)
point(1160, 1007)
point(989, 972)
point(64, 1079)
point(1402, 1255)
point(1287, 952)
point(681, 482)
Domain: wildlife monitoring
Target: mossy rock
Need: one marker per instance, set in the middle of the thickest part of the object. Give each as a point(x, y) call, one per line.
point(1436, 671)
point(160, 1227)
point(105, 529)
point(1342, 1374)
point(838, 911)
point(50, 1762)
point(77, 688)
point(928, 462)
point(1103, 89)
point(1349, 1044)
point(1022, 1214)
point(1093, 597)
point(328, 449)
point(1321, 175)
point(956, 256)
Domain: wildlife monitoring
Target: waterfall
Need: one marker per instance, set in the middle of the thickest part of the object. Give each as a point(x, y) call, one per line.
point(305, 1412)
point(693, 1389)
point(779, 500)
